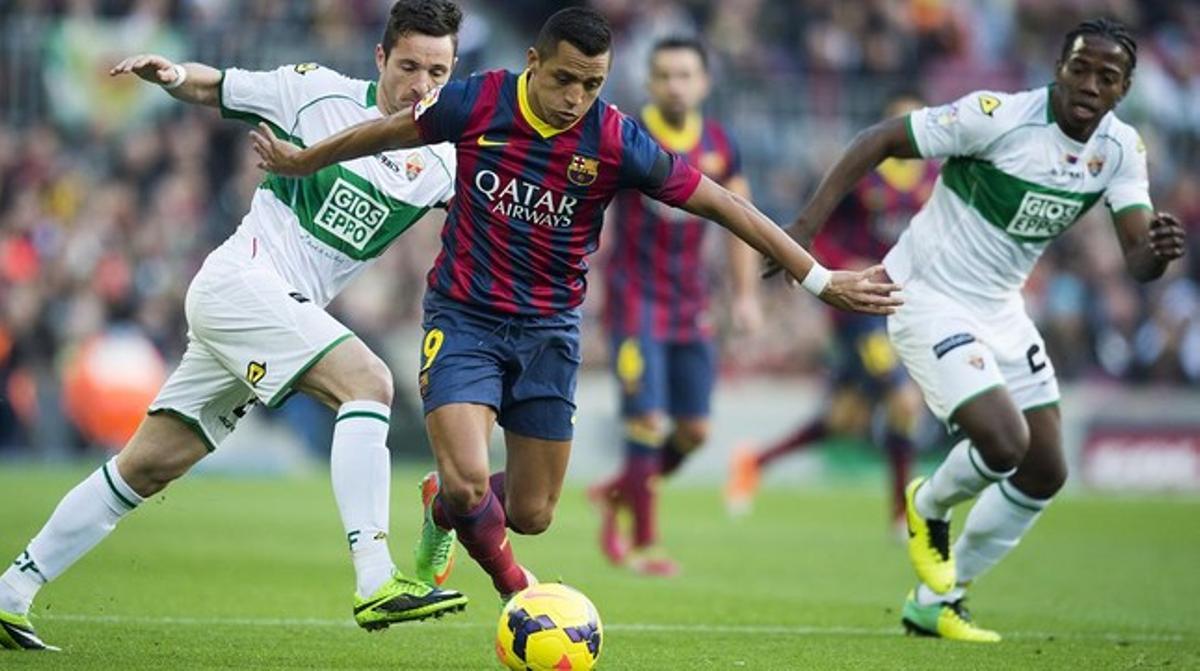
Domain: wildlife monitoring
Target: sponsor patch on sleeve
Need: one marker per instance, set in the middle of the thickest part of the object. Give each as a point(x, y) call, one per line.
point(988, 104)
point(953, 342)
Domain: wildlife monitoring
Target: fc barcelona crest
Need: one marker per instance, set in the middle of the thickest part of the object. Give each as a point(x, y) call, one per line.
point(1095, 164)
point(582, 171)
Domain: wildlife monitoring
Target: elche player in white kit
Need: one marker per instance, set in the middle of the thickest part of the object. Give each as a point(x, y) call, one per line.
point(258, 330)
point(1020, 168)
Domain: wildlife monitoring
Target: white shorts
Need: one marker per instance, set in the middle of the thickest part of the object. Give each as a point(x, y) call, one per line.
point(250, 337)
point(956, 353)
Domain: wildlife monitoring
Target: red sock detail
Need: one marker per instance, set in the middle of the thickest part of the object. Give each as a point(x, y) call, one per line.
point(809, 433)
point(900, 455)
point(638, 492)
point(496, 483)
point(441, 514)
point(481, 531)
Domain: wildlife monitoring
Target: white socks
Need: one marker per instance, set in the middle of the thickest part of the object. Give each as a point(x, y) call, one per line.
point(362, 474)
point(994, 527)
point(87, 514)
point(961, 476)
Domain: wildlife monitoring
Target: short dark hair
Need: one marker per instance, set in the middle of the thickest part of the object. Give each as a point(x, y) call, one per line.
point(585, 29)
point(435, 18)
point(1109, 29)
point(681, 42)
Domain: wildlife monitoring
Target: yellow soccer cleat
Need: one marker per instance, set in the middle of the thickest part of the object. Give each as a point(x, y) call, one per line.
point(16, 633)
point(403, 599)
point(928, 544)
point(949, 620)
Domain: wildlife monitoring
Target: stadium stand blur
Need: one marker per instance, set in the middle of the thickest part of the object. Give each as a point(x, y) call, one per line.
point(111, 193)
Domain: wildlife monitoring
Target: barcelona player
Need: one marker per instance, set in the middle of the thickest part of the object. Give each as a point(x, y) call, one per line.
point(657, 309)
point(867, 375)
point(538, 160)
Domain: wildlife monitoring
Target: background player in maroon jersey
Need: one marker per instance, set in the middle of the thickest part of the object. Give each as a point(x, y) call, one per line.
point(537, 163)
point(657, 309)
point(867, 376)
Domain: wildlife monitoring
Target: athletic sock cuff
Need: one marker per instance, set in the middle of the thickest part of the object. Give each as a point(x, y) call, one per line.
point(364, 410)
point(1021, 499)
point(639, 439)
point(118, 487)
point(983, 469)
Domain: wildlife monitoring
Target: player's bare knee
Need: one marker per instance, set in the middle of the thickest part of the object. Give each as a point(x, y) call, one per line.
point(531, 520)
point(691, 435)
point(1041, 481)
point(650, 423)
point(374, 381)
point(149, 477)
point(1003, 446)
point(463, 494)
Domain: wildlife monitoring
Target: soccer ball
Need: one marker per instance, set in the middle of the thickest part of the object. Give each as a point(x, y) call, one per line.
point(549, 627)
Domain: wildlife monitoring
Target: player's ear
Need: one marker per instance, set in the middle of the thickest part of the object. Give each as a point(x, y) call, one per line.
point(381, 58)
point(531, 59)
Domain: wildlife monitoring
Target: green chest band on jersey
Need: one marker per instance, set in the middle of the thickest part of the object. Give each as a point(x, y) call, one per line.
point(345, 211)
point(1026, 211)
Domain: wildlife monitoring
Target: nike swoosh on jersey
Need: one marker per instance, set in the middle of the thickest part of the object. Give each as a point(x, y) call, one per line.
point(484, 142)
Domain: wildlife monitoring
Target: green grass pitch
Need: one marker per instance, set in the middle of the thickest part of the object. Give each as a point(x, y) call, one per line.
point(246, 573)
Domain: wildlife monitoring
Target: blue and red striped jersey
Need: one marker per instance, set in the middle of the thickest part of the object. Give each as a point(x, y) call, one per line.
point(529, 199)
point(656, 277)
point(867, 223)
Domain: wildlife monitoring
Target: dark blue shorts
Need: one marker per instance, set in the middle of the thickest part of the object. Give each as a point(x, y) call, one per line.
point(864, 358)
point(657, 376)
point(523, 367)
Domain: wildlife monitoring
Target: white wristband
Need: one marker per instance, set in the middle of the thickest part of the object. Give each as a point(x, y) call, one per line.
point(180, 77)
point(817, 279)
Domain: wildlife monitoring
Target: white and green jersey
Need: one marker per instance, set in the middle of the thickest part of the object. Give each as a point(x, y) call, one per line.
point(1011, 183)
point(320, 231)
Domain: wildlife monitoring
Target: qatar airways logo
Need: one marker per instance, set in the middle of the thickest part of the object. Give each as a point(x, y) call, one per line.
point(526, 201)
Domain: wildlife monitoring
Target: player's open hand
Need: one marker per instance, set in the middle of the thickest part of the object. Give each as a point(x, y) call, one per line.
point(275, 155)
point(868, 291)
point(150, 67)
point(1167, 238)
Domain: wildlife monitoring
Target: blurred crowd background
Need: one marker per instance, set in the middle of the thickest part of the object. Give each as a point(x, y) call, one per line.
point(112, 193)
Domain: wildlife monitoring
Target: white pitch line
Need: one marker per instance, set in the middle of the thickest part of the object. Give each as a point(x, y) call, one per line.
point(633, 627)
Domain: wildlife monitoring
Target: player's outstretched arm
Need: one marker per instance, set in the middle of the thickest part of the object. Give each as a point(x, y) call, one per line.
point(1150, 241)
point(194, 83)
point(394, 131)
point(886, 139)
point(863, 291)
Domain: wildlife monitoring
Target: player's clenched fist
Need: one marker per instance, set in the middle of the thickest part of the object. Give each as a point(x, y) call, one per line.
point(1167, 237)
point(868, 291)
point(150, 67)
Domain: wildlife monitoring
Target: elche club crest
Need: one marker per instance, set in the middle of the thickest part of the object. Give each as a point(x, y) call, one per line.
point(582, 170)
point(413, 165)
